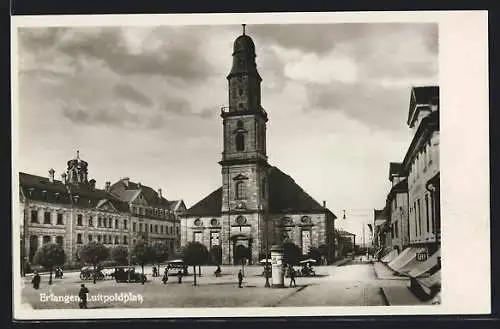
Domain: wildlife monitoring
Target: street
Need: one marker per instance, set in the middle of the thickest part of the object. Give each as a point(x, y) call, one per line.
point(352, 284)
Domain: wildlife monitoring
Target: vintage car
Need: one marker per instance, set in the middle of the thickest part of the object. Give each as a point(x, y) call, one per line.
point(128, 274)
point(86, 273)
point(174, 266)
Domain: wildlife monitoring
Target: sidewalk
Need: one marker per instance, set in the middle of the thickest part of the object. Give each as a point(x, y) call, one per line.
point(400, 295)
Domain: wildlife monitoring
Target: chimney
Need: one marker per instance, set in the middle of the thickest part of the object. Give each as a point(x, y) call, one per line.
point(51, 175)
point(107, 187)
point(63, 178)
point(324, 204)
point(159, 194)
point(125, 181)
point(92, 184)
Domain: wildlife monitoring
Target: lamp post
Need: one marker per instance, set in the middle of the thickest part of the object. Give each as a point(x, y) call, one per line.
point(266, 266)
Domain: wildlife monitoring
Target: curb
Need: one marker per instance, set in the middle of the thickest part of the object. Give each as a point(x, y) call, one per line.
point(384, 297)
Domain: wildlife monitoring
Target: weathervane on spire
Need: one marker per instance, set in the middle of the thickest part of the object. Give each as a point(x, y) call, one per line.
point(78, 154)
point(243, 28)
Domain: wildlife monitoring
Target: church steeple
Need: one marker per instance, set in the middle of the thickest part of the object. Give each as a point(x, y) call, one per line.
point(245, 120)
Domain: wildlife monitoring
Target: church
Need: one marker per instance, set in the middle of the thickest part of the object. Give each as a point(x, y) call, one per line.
point(257, 205)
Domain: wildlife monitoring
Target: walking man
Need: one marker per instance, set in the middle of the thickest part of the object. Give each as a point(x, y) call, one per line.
point(240, 279)
point(165, 277)
point(83, 296)
point(179, 276)
point(292, 277)
point(36, 280)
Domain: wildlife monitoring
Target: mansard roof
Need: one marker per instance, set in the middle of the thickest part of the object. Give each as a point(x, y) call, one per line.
point(285, 197)
point(130, 192)
point(38, 188)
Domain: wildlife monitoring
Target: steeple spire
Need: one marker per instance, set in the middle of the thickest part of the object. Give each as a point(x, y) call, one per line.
point(78, 155)
point(243, 28)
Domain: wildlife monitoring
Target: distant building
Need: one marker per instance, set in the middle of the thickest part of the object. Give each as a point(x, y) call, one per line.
point(72, 212)
point(258, 205)
point(153, 218)
point(347, 242)
point(397, 207)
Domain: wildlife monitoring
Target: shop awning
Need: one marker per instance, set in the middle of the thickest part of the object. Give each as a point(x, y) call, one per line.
point(412, 262)
point(390, 256)
point(421, 268)
point(400, 259)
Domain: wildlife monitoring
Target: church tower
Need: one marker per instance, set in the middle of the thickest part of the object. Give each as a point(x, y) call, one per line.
point(244, 160)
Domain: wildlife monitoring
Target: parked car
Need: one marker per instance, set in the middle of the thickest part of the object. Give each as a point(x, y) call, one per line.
point(87, 273)
point(128, 274)
point(174, 266)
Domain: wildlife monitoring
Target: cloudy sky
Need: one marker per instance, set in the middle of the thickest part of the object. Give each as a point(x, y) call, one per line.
point(144, 103)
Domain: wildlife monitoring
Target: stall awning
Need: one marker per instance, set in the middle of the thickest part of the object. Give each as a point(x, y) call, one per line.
point(406, 260)
point(421, 268)
point(412, 262)
point(390, 256)
point(402, 257)
point(430, 282)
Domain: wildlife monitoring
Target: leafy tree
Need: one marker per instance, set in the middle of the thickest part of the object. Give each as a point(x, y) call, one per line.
point(315, 253)
point(50, 256)
point(291, 253)
point(120, 255)
point(216, 255)
point(161, 251)
point(94, 253)
point(144, 254)
point(195, 253)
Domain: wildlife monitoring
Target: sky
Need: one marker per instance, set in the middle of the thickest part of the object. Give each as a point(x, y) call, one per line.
point(144, 103)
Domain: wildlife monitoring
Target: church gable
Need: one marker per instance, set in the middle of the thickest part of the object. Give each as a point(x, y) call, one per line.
point(211, 205)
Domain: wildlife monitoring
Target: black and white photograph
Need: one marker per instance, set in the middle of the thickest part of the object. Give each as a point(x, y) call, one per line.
point(248, 165)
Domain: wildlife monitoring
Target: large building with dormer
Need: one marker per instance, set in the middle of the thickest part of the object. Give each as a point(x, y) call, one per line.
point(258, 204)
point(72, 211)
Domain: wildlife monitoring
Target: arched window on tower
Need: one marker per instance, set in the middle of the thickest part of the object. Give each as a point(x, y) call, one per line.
point(240, 190)
point(240, 142)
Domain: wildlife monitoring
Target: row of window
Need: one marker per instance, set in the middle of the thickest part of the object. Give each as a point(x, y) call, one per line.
point(155, 212)
point(158, 229)
point(106, 239)
point(106, 223)
point(423, 219)
point(422, 161)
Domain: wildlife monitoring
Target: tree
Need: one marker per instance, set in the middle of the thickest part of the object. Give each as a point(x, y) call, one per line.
point(291, 253)
point(161, 252)
point(50, 256)
point(94, 253)
point(144, 254)
point(120, 255)
point(240, 254)
point(194, 253)
point(315, 253)
point(216, 255)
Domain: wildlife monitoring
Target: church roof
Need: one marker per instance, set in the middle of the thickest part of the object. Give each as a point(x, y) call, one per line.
point(40, 189)
point(285, 196)
point(128, 193)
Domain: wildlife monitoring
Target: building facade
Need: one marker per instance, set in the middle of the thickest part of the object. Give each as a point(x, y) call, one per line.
point(72, 212)
point(258, 205)
point(421, 165)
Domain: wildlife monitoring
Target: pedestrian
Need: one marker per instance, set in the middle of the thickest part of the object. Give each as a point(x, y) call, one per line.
point(36, 280)
point(240, 279)
point(179, 276)
point(83, 296)
point(292, 276)
point(165, 277)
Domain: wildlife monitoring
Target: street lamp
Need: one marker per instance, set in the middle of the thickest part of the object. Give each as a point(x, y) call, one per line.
point(266, 266)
